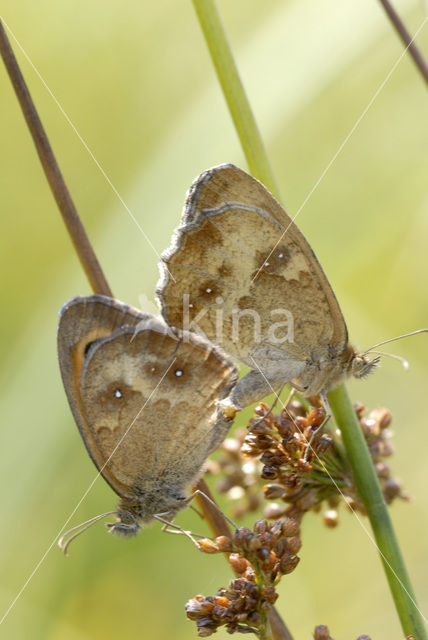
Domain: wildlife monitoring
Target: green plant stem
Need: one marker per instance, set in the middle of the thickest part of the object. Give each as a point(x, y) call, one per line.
point(377, 511)
point(364, 474)
point(233, 90)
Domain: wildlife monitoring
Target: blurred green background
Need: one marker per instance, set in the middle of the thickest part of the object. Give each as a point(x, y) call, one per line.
point(136, 80)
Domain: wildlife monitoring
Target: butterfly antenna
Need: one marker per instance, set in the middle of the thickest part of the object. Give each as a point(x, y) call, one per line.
point(403, 361)
point(68, 536)
point(405, 335)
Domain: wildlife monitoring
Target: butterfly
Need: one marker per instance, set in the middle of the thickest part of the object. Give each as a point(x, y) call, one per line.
point(241, 273)
point(145, 402)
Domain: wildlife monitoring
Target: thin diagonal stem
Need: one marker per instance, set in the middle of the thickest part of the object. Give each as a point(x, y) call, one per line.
point(407, 39)
point(75, 228)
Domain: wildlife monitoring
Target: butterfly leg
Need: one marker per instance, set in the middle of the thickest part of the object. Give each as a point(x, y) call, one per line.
point(250, 389)
point(170, 527)
point(326, 406)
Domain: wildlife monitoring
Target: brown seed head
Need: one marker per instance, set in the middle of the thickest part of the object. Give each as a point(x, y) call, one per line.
point(238, 563)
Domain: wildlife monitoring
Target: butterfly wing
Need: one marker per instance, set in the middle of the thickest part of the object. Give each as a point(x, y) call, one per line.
point(145, 402)
point(245, 275)
point(83, 321)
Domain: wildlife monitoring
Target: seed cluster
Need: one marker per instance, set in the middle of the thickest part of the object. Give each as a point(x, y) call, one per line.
point(259, 558)
point(304, 467)
point(301, 468)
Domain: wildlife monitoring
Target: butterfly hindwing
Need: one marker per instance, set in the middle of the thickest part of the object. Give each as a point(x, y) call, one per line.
point(145, 400)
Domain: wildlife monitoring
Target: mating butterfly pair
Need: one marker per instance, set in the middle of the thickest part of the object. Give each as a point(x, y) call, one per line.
point(151, 399)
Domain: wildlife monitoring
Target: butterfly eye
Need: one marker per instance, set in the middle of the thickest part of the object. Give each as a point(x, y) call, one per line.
point(362, 366)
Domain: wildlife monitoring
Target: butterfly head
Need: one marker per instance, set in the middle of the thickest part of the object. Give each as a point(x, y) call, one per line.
point(130, 514)
point(142, 507)
point(127, 520)
point(362, 366)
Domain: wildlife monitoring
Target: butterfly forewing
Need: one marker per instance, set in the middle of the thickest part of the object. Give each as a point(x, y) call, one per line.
point(248, 276)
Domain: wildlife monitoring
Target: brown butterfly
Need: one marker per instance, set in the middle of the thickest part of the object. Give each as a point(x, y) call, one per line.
point(145, 402)
point(240, 272)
